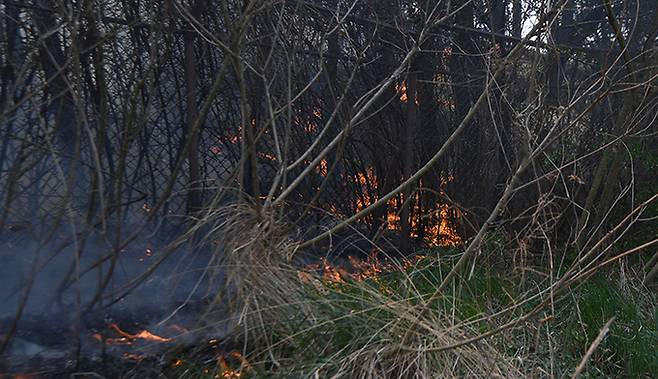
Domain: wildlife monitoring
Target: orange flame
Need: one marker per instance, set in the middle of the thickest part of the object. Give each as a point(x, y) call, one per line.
point(126, 338)
point(440, 230)
point(225, 368)
point(371, 268)
point(322, 168)
point(267, 156)
point(401, 89)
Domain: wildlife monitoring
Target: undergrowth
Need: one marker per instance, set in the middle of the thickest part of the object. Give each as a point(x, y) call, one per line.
point(290, 324)
point(355, 321)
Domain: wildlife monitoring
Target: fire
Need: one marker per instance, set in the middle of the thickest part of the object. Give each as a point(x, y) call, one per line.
point(126, 338)
point(309, 124)
point(225, 370)
point(112, 341)
point(439, 230)
point(322, 168)
point(401, 89)
point(370, 268)
point(331, 273)
point(235, 139)
point(436, 225)
point(267, 156)
point(392, 216)
point(368, 181)
point(367, 178)
point(148, 252)
point(310, 127)
point(444, 233)
point(445, 179)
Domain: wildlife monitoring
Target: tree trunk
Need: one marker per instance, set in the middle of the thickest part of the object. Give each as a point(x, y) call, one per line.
point(191, 81)
point(408, 162)
point(516, 19)
point(53, 63)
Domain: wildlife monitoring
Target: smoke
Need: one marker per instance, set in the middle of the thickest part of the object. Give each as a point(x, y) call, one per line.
point(69, 290)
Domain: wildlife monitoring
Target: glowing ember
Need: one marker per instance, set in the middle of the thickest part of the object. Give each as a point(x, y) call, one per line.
point(234, 139)
point(148, 252)
point(267, 156)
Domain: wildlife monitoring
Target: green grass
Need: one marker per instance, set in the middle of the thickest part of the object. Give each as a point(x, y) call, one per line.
point(631, 347)
point(350, 316)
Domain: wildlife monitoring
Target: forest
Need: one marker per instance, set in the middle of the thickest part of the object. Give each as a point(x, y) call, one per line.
point(328, 189)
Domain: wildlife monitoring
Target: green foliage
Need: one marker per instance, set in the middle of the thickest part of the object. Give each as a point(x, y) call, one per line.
point(352, 315)
point(631, 347)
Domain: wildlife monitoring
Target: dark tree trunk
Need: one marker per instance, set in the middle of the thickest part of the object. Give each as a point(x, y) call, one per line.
point(407, 158)
point(194, 196)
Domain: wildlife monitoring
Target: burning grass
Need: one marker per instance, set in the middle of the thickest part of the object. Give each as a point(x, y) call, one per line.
point(378, 318)
point(324, 321)
point(365, 321)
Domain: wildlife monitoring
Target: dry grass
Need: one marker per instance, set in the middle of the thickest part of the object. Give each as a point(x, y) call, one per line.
point(297, 325)
point(290, 321)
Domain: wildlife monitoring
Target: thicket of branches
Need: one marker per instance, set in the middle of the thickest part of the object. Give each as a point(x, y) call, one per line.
point(535, 119)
